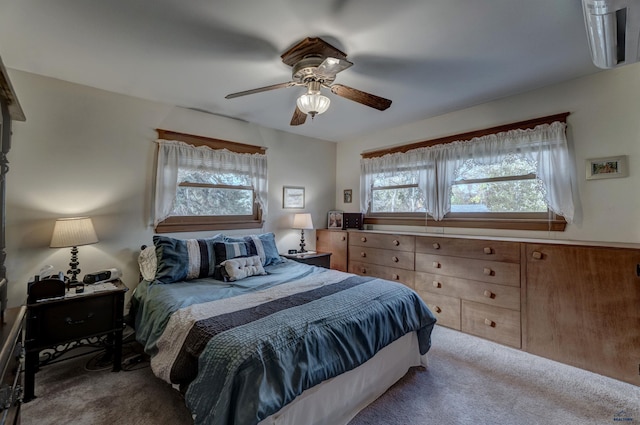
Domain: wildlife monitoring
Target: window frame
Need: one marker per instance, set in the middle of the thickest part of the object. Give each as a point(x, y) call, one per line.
point(542, 221)
point(174, 224)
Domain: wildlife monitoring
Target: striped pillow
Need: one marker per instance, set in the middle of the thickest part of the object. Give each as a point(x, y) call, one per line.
point(185, 259)
point(262, 245)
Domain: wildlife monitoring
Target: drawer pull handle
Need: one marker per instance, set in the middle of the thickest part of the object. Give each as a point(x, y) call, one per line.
point(490, 323)
point(363, 254)
point(344, 238)
point(488, 250)
point(396, 242)
point(488, 271)
point(436, 265)
point(537, 255)
point(436, 308)
point(436, 245)
point(363, 239)
point(436, 284)
point(489, 294)
point(363, 271)
point(395, 277)
point(70, 321)
point(395, 259)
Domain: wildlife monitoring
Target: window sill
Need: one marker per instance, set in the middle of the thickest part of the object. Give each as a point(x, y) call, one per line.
point(557, 224)
point(198, 224)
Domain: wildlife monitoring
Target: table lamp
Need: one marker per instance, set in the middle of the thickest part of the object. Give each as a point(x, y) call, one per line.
point(73, 232)
point(302, 221)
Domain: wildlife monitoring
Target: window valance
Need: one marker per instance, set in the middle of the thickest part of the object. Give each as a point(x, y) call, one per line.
point(545, 145)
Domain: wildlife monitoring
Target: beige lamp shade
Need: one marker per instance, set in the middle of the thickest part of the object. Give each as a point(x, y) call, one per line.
point(302, 221)
point(75, 231)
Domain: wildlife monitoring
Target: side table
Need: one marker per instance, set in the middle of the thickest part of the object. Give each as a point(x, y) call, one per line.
point(320, 259)
point(70, 322)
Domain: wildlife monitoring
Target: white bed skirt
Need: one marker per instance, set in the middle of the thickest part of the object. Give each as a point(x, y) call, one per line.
point(338, 400)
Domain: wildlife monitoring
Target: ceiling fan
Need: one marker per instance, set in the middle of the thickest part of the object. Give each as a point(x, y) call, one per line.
point(315, 64)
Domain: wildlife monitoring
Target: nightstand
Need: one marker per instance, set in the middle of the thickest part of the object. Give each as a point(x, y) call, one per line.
point(320, 259)
point(92, 318)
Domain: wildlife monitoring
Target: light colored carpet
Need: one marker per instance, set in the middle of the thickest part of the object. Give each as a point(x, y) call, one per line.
point(468, 381)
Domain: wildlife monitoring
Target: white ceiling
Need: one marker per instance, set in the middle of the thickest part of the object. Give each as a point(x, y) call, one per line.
point(428, 56)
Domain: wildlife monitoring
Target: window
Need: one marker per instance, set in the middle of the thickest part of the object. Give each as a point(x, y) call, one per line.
point(509, 186)
point(397, 193)
point(515, 179)
point(204, 188)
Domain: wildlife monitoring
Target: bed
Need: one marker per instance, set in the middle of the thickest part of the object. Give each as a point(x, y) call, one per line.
point(249, 337)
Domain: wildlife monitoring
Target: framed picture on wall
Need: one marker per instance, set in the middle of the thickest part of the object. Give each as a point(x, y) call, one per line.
point(335, 220)
point(348, 196)
point(292, 197)
point(607, 168)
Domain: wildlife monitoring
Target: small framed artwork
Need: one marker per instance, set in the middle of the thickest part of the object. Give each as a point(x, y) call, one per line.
point(607, 168)
point(348, 196)
point(335, 220)
point(292, 197)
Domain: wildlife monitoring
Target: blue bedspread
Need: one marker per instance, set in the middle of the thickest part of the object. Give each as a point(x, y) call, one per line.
point(242, 350)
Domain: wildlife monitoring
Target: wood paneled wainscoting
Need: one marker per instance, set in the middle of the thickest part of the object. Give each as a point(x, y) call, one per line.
point(576, 303)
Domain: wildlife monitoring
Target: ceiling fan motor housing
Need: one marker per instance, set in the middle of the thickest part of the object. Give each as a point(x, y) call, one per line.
point(305, 71)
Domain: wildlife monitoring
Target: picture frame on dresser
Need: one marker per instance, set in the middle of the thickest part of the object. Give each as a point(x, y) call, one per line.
point(334, 219)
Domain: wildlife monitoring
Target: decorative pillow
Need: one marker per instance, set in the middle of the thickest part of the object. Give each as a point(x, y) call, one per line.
point(263, 245)
point(184, 259)
point(239, 268)
point(226, 251)
point(148, 263)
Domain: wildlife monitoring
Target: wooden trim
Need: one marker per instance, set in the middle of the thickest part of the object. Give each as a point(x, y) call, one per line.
point(9, 94)
point(521, 125)
point(211, 142)
point(555, 225)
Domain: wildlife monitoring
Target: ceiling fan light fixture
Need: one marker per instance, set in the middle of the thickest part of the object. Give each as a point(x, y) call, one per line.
point(313, 103)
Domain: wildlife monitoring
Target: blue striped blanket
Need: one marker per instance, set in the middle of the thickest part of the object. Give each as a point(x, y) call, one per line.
point(241, 356)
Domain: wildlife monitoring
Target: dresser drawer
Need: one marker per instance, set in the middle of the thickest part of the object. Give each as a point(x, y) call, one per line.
point(50, 324)
point(508, 252)
point(383, 257)
point(472, 290)
point(446, 309)
point(482, 270)
point(389, 273)
point(497, 324)
point(377, 240)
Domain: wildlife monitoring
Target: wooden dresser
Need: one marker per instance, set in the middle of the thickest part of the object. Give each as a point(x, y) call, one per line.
point(387, 256)
point(472, 285)
point(335, 242)
point(577, 303)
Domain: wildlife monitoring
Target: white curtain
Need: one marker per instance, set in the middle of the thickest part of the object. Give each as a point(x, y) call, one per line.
point(173, 155)
point(545, 145)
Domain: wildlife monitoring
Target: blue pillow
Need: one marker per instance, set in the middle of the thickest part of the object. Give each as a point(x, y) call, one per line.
point(185, 259)
point(226, 251)
point(263, 245)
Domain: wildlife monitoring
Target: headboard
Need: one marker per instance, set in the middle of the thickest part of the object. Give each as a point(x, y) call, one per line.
point(9, 110)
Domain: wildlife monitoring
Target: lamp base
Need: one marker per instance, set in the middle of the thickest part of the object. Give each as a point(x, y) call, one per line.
point(302, 241)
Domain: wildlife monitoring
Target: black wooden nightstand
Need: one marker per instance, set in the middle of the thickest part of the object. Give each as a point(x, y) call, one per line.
point(320, 259)
point(93, 318)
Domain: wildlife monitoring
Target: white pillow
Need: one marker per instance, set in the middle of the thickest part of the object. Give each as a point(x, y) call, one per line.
point(148, 263)
point(241, 267)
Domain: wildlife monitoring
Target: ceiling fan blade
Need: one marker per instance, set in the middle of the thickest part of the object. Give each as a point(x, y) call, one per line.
point(368, 99)
point(331, 66)
point(260, 89)
point(299, 117)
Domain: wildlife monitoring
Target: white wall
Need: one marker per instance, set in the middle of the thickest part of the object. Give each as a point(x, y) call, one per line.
point(84, 151)
point(604, 121)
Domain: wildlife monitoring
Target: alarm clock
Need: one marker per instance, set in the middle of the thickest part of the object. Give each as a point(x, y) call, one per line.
point(102, 276)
